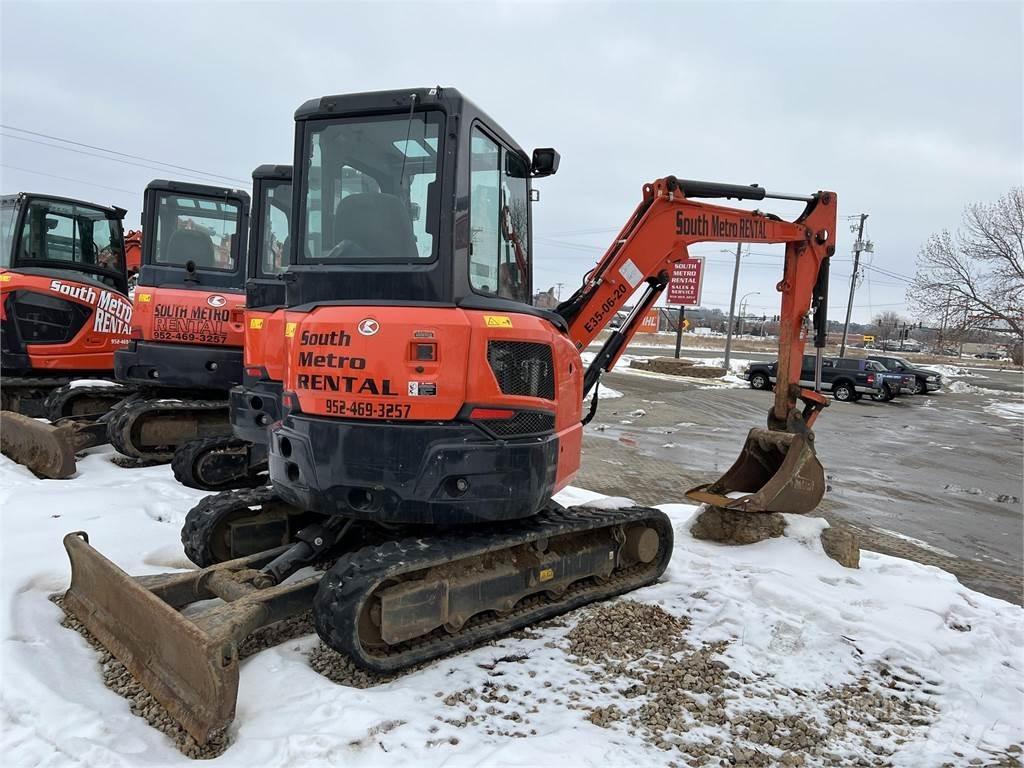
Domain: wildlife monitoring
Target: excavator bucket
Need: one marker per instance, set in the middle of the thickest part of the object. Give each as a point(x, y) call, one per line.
point(775, 472)
point(47, 449)
point(189, 663)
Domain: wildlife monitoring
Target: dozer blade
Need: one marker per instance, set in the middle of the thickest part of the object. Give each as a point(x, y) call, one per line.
point(776, 472)
point(188, 663)
point(47, 449)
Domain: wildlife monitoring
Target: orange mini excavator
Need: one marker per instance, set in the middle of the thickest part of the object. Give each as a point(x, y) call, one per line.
point(239, 459)
point(64, 307)
point(184, 349)
point(430, 412)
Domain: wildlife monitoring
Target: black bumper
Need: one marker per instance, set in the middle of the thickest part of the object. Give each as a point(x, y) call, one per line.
point(182, 366)
point(410, 472)
point(14, 363)
point(253, 408)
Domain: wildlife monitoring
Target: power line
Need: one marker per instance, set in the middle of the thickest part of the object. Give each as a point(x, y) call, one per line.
point(889, 273)
point(115, 152)
point(111, 159)
point(68, 178)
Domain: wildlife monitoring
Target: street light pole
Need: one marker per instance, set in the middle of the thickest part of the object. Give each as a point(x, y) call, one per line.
point(743, 308)
point(732, 306)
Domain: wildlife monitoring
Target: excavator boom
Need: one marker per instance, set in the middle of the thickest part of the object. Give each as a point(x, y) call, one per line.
point(663, 226)
point(777, 470)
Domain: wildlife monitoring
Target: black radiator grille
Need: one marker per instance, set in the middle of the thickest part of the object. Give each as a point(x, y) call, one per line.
point(522, 424)
point(522, 368)
point(42, 319)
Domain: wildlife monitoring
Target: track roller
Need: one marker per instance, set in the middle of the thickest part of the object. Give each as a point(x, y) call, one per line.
point(219, 464)
point(406, 602)
point(152, 428)
point(239, 523)
point(72, 400)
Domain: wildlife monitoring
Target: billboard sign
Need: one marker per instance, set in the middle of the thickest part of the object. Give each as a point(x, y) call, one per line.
point(685, 282)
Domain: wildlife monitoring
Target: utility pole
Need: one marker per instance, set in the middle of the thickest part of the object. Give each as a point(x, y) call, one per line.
point(857, 248)
point(732, 305)
point(558, 293)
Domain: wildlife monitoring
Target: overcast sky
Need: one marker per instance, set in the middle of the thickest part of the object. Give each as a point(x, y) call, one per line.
point(908, 111)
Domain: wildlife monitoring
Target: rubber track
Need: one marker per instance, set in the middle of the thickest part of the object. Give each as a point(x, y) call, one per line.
point(203, 519)
point(187, 458)
point(30, 384)
point(354, 578)
point(58, 402)
point(126, 414)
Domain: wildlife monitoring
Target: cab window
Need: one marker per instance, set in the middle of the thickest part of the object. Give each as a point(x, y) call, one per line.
point(7, 211)
point(55, 231)
point(275, 228)
point(199, 230)
point(371, 185)
point(499, 258)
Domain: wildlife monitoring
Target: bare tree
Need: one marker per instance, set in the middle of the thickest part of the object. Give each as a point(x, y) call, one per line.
point(885, 326)
point(976, 272)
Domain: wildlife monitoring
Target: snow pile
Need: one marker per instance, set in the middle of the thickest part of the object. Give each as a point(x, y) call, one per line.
point(762, 653)
point(954, 372)
point(963, 388)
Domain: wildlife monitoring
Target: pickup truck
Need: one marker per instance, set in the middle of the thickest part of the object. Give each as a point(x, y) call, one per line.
point(848, 379)
point(925, 379)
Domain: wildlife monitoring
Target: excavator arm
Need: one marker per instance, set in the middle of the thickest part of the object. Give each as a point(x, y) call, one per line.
point(777, 470)
point(665, 223)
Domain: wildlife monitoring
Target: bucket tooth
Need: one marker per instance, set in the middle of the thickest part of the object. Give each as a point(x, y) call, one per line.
point(777, 472)
point(188, 663)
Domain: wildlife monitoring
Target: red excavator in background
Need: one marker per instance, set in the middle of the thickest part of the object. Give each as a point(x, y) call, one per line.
point(184, 349)
point(430, 412)
point(64, 307)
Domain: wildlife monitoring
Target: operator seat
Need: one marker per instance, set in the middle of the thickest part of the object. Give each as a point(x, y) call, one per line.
point(191, 245)
point(378, 223)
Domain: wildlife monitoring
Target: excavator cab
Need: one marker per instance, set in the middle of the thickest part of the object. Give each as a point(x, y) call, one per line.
point(63, 287)
point(238, 460)
point(187, 329)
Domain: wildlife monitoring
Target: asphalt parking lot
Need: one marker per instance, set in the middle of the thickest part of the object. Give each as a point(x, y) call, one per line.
point(936, 478)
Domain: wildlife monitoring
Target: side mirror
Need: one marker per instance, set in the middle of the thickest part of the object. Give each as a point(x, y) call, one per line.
point(414, 211)
point(51, 224)
point(544, 162)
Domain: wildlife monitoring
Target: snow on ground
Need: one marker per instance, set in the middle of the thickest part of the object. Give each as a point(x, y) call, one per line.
point(605, 392)
point(92, 383)
point(765, 644)
point(1012, 411)
point(730, 380)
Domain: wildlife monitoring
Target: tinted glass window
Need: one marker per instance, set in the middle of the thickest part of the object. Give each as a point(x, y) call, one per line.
point(274, 229)
point(7, 212)
point(848, 365)
point(199, 230)
point(499, 261)
point(55, 231)
point(371, 193)
point(872, 365)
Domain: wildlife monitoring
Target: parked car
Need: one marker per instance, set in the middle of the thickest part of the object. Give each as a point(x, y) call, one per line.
point(925, 379)
point(848, 379)
point(989, 356)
